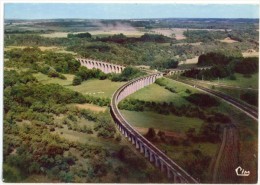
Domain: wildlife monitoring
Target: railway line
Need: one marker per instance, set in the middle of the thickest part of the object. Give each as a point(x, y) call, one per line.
point(249, 110)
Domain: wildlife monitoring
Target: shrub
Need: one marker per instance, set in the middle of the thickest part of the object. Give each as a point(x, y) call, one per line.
point(250, 97)
point(150, 134)
point(232, 77)
point(203, 100)
point(188, 91)
point(76, 81)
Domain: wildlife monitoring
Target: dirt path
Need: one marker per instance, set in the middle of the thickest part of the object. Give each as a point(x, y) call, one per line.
point(227, 159)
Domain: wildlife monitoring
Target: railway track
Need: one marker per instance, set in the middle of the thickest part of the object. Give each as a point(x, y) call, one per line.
point(249, 110)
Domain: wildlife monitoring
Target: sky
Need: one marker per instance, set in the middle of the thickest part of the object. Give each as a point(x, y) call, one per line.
point(127, 11)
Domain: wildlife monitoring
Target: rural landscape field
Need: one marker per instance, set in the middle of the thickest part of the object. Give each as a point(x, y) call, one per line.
point(130, 100)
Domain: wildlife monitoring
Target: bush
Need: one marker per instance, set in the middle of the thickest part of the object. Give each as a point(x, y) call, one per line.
point(188, 91)
point(247, 66)
point(203, 100)
point(128, 73)
point(250, 97)
point(232, 77)
point(11, 174)
point(76, 80)
point(150, 134)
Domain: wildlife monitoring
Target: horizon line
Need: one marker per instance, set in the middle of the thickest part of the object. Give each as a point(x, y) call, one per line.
point(131, 18)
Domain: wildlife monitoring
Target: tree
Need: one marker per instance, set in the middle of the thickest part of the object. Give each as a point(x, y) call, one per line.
point(150, 134)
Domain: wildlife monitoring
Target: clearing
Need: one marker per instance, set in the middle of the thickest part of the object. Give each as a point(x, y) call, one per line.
point(228, 40)
point(251, 53)
point(92, 107)
point(162, 122)
point(93, 87)
point(157, 93)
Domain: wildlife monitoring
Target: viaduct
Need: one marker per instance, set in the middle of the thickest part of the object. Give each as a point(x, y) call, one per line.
point(150, 151)
point(103, 66)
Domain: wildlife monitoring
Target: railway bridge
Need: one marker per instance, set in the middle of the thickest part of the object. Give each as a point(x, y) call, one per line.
point(150, 151)
point(103, 66)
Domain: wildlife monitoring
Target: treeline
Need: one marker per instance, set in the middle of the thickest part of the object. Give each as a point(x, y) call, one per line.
point(223, 67)
point(165, 64)
point(122, 39)
point(32, 40)
point(79, 35)
point(84, 73)
point(203, 35)
point(248, 34)
point(165, 108)
point(127, 74)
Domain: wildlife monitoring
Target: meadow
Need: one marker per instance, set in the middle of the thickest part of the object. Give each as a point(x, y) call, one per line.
point(93, 87)
point(161, 122)
point(241, 81)
point(157, 93)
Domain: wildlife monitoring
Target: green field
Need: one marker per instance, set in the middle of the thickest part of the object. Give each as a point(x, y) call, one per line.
point(241, 81)
point(93, 87)
point(162, 122)
point(157, 93)
point(99, 88)
point(176, 152)
point(47, 80)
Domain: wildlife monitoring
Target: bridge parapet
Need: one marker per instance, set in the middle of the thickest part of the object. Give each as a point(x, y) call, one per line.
point(103, 66)
point(151, 152)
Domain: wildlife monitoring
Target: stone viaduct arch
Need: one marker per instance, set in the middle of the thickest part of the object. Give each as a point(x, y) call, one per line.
point(151, 152)
point(103, 66)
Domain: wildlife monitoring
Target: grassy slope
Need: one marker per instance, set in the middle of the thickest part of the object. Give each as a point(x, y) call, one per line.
point(241, 81)
point(161, 122)
point(158, 93)
point(99, 88)
point(92, 107)
point(93, 87)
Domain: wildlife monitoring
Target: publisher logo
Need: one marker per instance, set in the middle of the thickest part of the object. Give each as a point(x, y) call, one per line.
point(241, 172)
